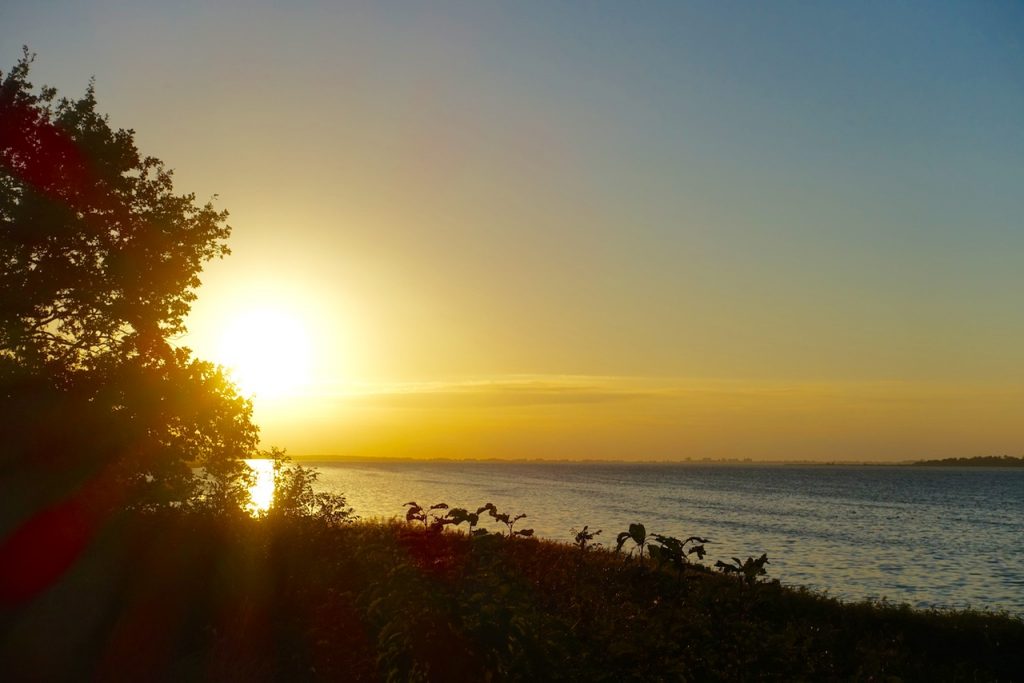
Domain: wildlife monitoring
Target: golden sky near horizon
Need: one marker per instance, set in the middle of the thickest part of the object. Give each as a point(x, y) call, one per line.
point(632, 233)
point(642, 419)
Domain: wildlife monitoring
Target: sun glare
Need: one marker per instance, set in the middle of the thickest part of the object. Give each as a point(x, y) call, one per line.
point(267, 351)
point(261, 493)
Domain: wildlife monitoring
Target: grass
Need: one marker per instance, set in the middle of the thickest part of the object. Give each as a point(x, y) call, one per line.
point(193, 596)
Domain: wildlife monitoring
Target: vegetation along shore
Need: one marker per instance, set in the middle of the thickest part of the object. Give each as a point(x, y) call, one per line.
point(306, 591)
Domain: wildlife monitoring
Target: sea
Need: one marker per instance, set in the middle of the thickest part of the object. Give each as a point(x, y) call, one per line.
point(930, 537)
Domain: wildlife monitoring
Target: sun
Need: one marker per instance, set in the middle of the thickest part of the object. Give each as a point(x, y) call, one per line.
point(267, 352)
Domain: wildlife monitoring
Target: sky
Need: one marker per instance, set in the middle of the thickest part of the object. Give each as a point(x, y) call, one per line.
point(639, 231)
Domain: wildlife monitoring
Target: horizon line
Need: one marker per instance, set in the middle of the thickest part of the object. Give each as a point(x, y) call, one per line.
point(322, 457)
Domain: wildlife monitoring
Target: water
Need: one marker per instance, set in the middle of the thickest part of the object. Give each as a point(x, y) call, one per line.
point(931, 537)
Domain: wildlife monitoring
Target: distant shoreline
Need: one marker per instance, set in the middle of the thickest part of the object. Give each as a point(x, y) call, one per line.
point(979, 461)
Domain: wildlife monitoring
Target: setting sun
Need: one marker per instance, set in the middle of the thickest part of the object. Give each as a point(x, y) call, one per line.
point(267, 351)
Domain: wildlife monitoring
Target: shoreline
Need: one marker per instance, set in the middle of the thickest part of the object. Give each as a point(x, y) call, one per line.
point(341, 459)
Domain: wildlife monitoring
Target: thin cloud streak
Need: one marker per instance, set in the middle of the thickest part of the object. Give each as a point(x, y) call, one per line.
point(522, 390)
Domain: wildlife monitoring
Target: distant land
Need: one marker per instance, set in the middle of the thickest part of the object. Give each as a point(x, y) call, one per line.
point(979, 461)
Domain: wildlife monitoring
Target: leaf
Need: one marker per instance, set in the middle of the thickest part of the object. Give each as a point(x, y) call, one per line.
point(671, 544)
point(439, 506)
point(525, 532)
point(638, 532)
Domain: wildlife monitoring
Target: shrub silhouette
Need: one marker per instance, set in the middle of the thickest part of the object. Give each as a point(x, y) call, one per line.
point(433, 521)
point(584, 538)
point(426, 516)
point(749, 570)
point(456, 516)
point(637, 533)
point(671, 551)
point(507, 520)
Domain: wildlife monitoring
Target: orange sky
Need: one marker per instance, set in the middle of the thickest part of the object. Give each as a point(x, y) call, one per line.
point(634, 419)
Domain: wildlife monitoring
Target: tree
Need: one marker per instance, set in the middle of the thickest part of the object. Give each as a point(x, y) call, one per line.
point(99, 264)
point(296, 497)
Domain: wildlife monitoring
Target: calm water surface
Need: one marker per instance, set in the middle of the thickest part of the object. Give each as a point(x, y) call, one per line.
point(930, 537)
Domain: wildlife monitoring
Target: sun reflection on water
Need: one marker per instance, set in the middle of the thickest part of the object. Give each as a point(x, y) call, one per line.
point(261, 493)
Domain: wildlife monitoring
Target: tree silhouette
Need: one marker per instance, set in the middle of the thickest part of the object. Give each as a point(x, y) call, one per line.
point(99, 263)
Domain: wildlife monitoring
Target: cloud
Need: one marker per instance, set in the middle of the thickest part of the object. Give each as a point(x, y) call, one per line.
point(700, 395)
point(515, 391)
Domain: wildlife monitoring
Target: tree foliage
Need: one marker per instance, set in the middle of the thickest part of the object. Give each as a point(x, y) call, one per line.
point(296, 497)
point(99, 264)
